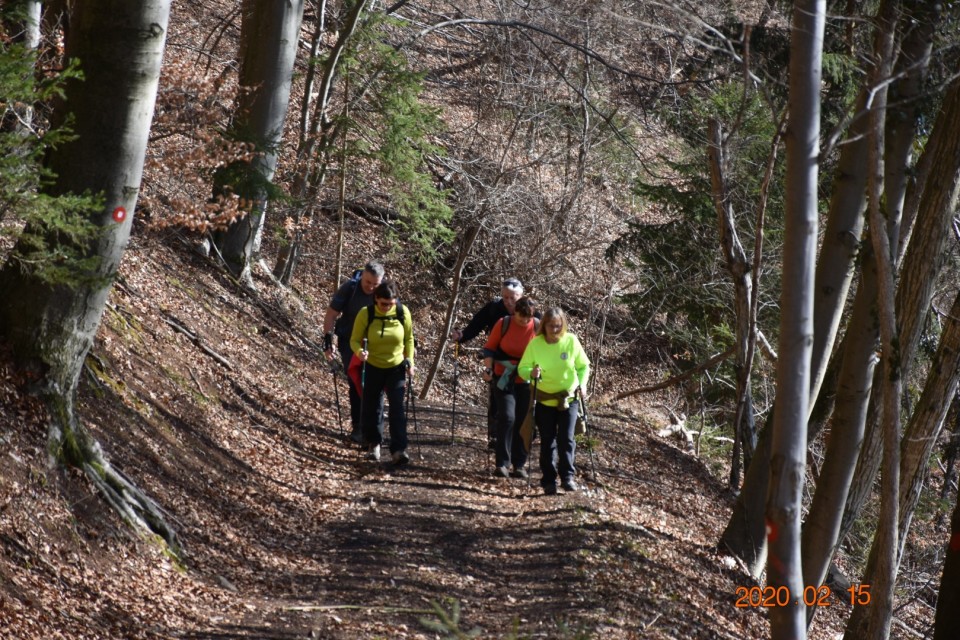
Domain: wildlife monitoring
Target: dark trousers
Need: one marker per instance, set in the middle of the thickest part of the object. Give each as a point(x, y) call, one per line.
point(557, 445)
point(512, 407)
point(346, 355)
point(392, 384)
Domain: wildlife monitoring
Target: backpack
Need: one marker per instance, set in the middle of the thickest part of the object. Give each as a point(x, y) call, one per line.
point(399, 314)
point(506, 325)
point(354, 369)
point(355, 279)
point(339, 327)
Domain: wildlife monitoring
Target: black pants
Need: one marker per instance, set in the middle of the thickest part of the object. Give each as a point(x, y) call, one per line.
point(512, 408)
point(391, 383)
point(557, 444)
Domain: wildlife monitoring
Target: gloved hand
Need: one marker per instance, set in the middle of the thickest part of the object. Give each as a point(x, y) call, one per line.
point(328, 341)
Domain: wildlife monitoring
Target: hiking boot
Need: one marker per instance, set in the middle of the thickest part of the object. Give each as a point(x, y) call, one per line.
point(400, 457)
point(501, 472)
point(356, 435)
point(569, 485)
point(519, 473)
point(373, 453)
point(550, 490)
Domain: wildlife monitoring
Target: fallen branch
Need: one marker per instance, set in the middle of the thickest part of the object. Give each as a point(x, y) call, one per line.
point(678, 378)
point(357, 607)
point(199, 342)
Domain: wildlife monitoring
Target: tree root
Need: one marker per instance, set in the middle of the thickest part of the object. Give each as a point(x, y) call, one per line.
point(73, 445)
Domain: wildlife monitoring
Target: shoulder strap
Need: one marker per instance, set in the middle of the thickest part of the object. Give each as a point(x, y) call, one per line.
point(505, 326)
point(355, 279)
point(371, 314)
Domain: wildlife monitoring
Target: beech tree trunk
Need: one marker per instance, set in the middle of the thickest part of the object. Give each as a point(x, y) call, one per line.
point(789, 439)
point(269, 35)
point(946, 625)
point(52, 326)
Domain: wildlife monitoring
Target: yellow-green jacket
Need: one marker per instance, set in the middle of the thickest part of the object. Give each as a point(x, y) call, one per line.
point(563, 366)
point(388, 341)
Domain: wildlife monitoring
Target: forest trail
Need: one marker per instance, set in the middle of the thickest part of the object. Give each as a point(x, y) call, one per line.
point(289, 533)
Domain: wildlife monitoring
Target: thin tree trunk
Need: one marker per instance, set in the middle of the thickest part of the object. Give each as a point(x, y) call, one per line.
point(465, 248)
point(288, 255)
point(320, 134)
point(745, 434)
point(873, 623)
point(928, 418)
point(821, 529)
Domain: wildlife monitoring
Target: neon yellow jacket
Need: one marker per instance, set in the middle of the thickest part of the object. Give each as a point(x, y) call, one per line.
point(563, 366)
point(388, 342)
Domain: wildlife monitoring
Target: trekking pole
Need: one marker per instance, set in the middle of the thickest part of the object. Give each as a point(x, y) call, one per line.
point(456, 386)
point(363, 382)
point(533, 427)
point(336, 394)
point(412, 403)
point(586, 435)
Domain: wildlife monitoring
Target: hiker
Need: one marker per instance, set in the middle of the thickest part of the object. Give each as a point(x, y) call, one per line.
point(352, 296)
point(388, 329)
point(502, 352)
point(557, 362)
point(483, 320)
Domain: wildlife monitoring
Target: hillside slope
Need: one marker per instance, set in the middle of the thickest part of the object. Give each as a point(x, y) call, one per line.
point(289, 533)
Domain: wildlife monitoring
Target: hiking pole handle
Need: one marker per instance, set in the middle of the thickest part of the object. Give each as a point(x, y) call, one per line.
point(363, 369)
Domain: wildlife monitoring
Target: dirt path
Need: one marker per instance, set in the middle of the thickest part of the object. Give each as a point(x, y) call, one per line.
point(624, 558)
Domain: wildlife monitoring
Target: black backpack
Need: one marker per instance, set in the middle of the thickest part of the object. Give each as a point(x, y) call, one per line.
point(339, 327)
point(399, 314)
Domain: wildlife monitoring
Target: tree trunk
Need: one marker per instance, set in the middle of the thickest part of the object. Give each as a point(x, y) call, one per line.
point(822, 527)
point(52, 326)
point(745, 432)
point(821, 530)
point(789, 439)
point(922, 264)
point(931, 411)
point(946, 624)
point(318, 135)
point(270, 32)
point(465, 248)
point(873, 623)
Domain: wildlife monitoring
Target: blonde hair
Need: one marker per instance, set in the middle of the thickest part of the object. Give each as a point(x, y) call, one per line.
point(551, 314)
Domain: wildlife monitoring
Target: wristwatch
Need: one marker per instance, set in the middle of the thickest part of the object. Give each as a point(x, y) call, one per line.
point(488, 371)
